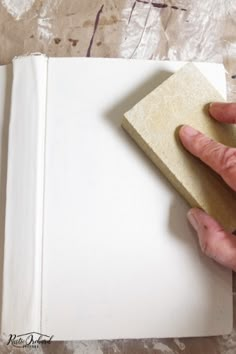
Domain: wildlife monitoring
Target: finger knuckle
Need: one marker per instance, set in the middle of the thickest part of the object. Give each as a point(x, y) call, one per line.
point(206, 247)
point(203, 144)
point(228, 160)
point(209, 149)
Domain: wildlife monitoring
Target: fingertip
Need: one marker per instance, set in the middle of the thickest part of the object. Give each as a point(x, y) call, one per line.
point(192, 219)
point(197, 217)
point(223, 111)
point(186, 130)
point(186, 133)
point(198, 212)
point(216, 108)
point(204, 220)
point(181, 130)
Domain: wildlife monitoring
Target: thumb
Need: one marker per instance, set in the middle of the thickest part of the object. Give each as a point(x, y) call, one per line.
point(214, 241)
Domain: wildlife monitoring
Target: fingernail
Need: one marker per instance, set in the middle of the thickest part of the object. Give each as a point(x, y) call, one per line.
point(193, 220)
point(213, 104)
point(217, 105)
point(189, 131)
point(210, 106)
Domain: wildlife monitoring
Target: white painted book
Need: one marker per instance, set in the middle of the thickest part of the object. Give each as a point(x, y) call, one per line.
point(96, 241)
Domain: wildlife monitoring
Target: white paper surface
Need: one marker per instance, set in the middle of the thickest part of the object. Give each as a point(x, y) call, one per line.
point(24, 205)
point(119, 258)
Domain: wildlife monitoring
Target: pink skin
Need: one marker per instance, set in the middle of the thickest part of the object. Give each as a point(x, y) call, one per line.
point(215, 242)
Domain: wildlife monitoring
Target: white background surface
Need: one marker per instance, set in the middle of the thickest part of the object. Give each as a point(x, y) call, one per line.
point(117, 245)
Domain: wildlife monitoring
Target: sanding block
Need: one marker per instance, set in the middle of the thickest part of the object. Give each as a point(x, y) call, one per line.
point(153, 123)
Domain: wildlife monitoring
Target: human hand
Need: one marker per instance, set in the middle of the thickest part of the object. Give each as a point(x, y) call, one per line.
point(214, 241)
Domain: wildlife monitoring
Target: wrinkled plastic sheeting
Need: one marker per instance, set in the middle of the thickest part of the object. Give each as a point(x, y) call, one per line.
point(184, 30)
point(143, 29)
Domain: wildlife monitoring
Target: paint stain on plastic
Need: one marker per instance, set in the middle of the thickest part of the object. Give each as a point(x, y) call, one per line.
point(57, 40)
point(157, 5)
point(74, 42)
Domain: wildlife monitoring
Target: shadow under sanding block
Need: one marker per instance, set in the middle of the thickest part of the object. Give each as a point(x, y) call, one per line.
point(153, 124)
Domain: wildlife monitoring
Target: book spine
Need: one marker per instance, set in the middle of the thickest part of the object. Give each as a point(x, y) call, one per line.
point(22, 270)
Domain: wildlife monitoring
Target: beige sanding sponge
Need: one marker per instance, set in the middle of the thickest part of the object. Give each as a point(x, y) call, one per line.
point(153, 124)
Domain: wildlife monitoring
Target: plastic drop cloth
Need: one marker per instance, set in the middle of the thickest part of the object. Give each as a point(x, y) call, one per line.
point(203, 30)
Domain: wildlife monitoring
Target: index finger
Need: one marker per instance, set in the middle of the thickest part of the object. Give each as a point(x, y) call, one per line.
point(223, 112)
point(221, 158)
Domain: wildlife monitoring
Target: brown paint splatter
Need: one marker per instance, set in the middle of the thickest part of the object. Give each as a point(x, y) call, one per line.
point(87, 23)
point(143, 1)
point(114, 18)
point(57, 40)
point(74, 42)
point(32, 36)
point(99, 43)
point(94, 31)
point(159, 6)
point(108, 21)
point(156, 5)
point(233, 76)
